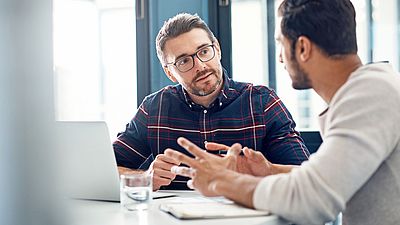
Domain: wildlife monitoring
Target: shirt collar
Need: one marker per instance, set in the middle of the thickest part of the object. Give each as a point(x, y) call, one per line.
point(221, 99)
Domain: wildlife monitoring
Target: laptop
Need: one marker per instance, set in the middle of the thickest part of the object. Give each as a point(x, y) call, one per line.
point(89, 168)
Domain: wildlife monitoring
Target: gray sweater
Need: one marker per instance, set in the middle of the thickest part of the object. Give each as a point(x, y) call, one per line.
point(356, 170)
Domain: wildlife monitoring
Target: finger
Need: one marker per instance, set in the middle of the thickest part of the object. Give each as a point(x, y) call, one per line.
point(192, 148)
point(182, 158)
point(190, 184)
point(163, 165)
point(253, 155)
point(179, 156)
point(234, 150)
point(167, 159)
point(159, 181)
point(183, 171)
point(164, 173)
point(212, 146)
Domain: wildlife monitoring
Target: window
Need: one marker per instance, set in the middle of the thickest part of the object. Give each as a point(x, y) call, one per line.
point(385, 31)
point(362, 21)
point(250, 52)
point(377, 39)
point(249, 41)
point(95, 61)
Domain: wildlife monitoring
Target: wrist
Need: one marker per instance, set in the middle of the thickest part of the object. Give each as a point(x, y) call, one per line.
point(278, 168)
point(237, 187)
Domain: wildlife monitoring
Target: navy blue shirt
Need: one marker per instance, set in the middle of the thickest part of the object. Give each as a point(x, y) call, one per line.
point(242, 113)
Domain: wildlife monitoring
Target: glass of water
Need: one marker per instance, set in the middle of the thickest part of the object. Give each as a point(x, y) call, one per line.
point(136, 191)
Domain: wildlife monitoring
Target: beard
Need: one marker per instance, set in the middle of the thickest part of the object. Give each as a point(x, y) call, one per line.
point(208, 87)
point(300, 79)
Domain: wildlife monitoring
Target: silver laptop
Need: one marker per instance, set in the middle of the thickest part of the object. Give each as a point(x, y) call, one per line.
point(89, 168)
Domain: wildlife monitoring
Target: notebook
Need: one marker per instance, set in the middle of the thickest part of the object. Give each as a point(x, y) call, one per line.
point(207, 208)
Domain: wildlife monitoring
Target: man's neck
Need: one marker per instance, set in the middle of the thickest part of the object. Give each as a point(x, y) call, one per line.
point(333, 75)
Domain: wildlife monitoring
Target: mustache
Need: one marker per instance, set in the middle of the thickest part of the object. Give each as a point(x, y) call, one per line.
point(202, 73)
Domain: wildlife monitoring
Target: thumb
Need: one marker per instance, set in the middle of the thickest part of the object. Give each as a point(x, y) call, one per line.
point(235, 150)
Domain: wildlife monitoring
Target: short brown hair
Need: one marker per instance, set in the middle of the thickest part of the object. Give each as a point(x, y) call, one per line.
point(177, 25)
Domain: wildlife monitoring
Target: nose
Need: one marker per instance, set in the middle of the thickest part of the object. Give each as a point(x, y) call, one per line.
point(198, 64)
point(280, 56)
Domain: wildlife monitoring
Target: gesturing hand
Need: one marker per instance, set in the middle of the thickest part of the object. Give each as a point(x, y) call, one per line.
point(161, 169)
point(252, 162)
point(206, 168)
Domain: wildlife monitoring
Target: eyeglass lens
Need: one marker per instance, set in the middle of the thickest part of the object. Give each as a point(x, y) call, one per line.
point(187, 63)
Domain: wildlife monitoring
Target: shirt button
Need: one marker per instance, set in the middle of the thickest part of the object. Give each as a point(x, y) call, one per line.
point(220, 103)
point(205, 111)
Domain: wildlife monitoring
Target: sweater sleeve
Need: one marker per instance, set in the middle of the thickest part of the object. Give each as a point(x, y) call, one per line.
point(358, 136)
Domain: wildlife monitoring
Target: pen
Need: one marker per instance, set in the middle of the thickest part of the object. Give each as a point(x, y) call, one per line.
point(221, 152)
point(164, 196)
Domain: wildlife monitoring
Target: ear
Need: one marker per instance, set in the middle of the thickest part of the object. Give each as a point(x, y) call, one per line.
point(169, 74)
point(304, 48)
point(218, 49)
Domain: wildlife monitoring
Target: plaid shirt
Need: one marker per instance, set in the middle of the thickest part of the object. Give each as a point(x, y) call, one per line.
point(250, 115)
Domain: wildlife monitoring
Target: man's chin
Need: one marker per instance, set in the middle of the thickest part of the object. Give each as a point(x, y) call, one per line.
point(204, 92)
point(301, 86)
point(208, 89)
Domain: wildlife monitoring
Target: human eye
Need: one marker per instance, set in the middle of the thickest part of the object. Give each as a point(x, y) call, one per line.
point(204, 51)
point(183, 61)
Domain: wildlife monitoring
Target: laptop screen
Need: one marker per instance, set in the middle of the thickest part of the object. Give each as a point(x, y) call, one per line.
point(89, 164)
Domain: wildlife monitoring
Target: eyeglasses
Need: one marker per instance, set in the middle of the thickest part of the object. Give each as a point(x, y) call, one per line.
point(186, 63)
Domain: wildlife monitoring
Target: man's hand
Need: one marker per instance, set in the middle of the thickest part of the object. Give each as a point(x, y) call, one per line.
point(213, 175)
point(252, 162)
point(161, 169)
point(206, 168)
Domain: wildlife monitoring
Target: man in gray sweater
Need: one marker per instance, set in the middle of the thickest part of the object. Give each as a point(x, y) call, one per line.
point(357, 168)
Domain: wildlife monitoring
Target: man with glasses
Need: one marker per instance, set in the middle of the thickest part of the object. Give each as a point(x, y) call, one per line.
point(205, 106)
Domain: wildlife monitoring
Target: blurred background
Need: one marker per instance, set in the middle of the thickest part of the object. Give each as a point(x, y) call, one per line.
point(28, 158)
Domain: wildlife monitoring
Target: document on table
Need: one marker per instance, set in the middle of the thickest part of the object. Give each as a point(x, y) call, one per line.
point(207, 208)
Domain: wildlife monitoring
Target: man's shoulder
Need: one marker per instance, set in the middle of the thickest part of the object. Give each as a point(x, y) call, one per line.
point(258, 93)
point(262, 89)
point(168, 93)
point(378, 79)
point(256, 89)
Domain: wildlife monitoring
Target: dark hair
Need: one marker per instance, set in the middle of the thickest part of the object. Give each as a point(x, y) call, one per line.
point(330, 24)
point(177, 25)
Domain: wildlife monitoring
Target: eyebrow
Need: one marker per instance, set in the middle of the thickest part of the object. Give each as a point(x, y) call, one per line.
point(199, 47)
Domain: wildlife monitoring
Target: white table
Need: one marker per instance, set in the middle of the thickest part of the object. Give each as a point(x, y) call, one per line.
point(85, 212)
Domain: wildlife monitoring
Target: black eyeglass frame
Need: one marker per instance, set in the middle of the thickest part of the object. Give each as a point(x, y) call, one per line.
point(192, 56)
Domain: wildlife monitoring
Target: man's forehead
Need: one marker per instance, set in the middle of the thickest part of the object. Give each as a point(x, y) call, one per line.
point(278, 31)
point(187, 43)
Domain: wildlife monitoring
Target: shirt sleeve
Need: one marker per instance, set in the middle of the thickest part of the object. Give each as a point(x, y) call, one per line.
point(130, 148)
point(350, 154)
point(282, 144)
